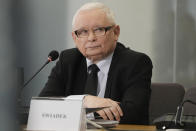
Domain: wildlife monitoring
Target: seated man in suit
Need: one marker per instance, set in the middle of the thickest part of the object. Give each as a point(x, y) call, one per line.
point(122, 77)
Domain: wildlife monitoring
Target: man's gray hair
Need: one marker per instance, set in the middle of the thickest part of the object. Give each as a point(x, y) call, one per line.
point(95, 5)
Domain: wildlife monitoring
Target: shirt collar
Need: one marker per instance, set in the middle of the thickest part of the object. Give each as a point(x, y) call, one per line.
point(103, 65)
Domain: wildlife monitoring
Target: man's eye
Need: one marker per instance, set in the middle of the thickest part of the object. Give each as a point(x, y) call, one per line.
point(83, 32)
point(100, 29)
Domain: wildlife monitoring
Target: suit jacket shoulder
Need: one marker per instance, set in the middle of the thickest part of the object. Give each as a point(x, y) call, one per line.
point(127, 55)
point(71, 56)
point(68, 76)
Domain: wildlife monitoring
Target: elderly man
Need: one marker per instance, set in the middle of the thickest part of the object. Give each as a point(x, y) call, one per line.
point(108, 73)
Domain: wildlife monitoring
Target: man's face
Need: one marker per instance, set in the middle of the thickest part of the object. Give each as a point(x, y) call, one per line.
point(92, 46)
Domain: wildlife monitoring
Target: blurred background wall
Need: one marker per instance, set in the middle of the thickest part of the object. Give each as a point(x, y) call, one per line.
point(8, 88)
point(163, 29)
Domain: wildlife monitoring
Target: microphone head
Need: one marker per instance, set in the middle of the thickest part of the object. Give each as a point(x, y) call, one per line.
point(53, 55)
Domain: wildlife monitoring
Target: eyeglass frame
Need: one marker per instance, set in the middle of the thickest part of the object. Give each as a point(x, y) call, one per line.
point(107, 28)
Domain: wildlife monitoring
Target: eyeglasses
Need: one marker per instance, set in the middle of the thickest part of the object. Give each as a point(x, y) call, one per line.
point(99, 31)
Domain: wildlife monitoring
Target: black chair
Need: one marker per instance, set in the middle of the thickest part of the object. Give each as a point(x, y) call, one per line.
point(165, 97)
point(189, 108)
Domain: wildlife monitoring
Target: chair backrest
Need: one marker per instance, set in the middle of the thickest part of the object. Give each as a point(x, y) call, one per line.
point(190, 109)
point(165, 97)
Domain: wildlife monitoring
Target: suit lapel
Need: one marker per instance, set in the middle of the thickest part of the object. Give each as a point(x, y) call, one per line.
point(81, 75)
point(112, 72)
point(77, 75)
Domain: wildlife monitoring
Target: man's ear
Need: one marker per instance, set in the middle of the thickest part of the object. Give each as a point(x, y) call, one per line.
point(117, 32)
point(73, 36)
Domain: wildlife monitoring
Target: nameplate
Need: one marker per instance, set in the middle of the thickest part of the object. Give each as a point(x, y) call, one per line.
point(57, 113)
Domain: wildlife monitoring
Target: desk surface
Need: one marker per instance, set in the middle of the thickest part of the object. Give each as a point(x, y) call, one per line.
point(125, 127)
point(136, 127)
point(130, 127)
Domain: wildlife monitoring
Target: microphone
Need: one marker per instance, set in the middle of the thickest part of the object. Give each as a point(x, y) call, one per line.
point(177, 120)
point(179, 113)
point(53, 55)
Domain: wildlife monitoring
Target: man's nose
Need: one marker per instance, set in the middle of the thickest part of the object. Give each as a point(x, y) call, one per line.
point(91, 36)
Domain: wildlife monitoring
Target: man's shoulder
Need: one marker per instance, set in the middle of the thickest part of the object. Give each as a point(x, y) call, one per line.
point(128, 54)
point(70, 55)
point(71, 51)
point(129, 58)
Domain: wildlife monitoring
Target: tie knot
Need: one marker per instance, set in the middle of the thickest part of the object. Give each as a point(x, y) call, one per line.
point(93, 68)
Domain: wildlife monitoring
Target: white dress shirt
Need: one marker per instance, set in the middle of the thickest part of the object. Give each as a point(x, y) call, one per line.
point(104, 66)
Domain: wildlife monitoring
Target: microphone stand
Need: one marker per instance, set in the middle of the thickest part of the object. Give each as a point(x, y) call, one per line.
point(23, 110)
point(179, 113)
point(26, 83)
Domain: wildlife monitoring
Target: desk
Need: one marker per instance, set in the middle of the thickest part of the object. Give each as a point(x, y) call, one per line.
point(136, 127)
point(124, 127)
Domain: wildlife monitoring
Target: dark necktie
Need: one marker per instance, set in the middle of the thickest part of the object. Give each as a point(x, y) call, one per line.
point(92, 80)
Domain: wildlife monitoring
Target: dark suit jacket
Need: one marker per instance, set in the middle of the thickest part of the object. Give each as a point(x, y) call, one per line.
point(129, 80)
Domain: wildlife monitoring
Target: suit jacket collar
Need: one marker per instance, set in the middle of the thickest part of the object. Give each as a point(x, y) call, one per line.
point(81, 74)
point(119, 48)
